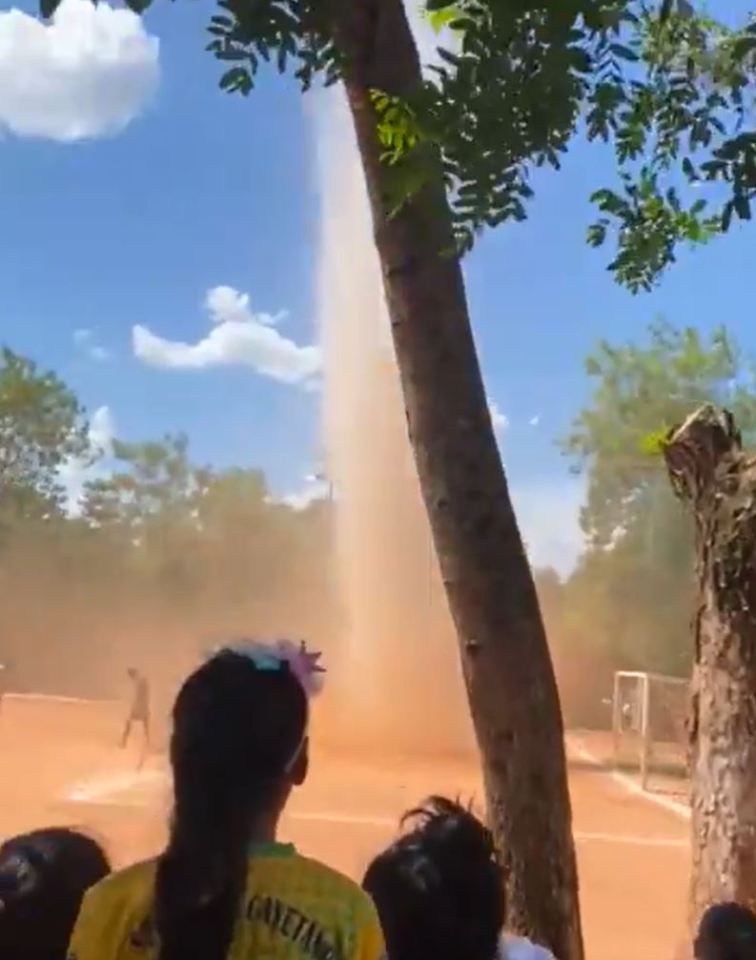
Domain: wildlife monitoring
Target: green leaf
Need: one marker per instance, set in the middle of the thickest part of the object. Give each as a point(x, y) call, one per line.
point(742, 206)
point(48, 7)
point(623, 52)
point(138, 6)
point(654, 443)
point(597, 234)
point(237, 80)
point(743, 47)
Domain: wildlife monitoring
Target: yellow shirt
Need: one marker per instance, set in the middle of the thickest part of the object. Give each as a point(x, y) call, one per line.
point(293, 909)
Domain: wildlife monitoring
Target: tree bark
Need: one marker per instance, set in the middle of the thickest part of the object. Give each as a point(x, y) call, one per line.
point(709, 471)
point(506, 664)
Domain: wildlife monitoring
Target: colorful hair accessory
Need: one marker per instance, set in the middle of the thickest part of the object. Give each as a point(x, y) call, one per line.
point(270, 657)
point(304, 665)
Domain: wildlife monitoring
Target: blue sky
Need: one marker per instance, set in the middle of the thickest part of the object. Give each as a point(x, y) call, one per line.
point(178, 189)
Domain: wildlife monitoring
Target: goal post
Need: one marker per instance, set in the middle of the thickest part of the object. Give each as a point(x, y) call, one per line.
point(649, 713)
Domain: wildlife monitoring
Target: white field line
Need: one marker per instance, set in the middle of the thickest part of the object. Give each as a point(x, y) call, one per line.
point(579, 749)
point(54, 698)
point(113, 791)
point(106, 789)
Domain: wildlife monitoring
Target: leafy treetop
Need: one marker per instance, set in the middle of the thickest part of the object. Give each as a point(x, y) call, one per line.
point(665, 84)
point(41, 427)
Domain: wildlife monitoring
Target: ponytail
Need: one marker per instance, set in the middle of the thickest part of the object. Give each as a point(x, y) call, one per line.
point(201, 878)
point(235, 728)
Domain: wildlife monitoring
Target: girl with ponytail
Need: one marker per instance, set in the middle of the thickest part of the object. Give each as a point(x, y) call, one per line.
point(225, 888)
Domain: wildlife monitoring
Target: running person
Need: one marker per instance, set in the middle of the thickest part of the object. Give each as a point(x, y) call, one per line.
point(139, 710)
point(226, 888)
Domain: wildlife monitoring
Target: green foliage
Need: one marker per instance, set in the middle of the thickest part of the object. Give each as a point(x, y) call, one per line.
point(441, 19)
point(665, 84)
point(509, 97)
point(681, 124)
point(151, 482)
point(632, 591)
point(41, 427)
point(293, 34)
point(641, 393)
point(162, 553)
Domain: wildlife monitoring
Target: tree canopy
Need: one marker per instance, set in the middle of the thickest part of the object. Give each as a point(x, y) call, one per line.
point(157, 545)
point(667, 85)
point(631, 594)
point(41, 427)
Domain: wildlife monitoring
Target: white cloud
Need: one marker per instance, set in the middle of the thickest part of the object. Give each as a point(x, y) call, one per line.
point(535, 421)
point(548, 513)
point(100, 354)
point(238, 337)
point(76, 471)
point(86, 73)
point(499, 419)
point(83, 338)
point(315, 487)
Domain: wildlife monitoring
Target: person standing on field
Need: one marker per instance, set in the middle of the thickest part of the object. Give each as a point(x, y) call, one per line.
point(139, 710)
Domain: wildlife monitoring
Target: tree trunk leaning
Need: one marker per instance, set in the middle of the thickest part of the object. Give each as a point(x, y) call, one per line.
point(710, 472)
point(506, 663)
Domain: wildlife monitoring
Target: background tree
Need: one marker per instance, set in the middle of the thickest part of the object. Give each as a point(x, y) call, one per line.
point(632, 593)
point(159, 554)
point(41, 427)
point(150, 502)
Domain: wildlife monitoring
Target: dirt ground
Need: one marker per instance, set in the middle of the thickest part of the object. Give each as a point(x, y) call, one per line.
point(62, 765)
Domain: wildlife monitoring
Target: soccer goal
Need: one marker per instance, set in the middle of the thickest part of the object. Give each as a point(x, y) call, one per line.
point(649, 714)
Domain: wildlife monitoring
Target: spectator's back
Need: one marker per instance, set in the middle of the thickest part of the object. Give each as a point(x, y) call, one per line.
point(43, 878)
point(727, 932)
point(438, 890)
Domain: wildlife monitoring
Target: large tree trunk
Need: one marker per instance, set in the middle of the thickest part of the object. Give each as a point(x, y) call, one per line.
point(711, 473)
point(508, 671)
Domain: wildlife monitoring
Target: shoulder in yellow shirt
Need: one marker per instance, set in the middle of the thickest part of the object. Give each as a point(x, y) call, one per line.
point(293, 909)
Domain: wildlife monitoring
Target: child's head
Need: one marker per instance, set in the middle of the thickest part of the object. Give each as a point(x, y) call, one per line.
point(43, 878)
point(727, 932)
point(239, 745)
point(438, 887)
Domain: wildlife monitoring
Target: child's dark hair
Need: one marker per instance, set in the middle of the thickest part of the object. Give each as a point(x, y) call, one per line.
point(438, 888)
point(727, 932)
point(237, 729)
point(43, 878)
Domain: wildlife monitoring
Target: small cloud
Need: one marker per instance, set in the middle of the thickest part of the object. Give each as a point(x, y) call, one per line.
point(535, 421)
point(499, 419)
point(239, 337)
point(86, 73)
point(84, 340)
point(100, 354)
point(76, 472)
point(316, 486)
point(226, 305)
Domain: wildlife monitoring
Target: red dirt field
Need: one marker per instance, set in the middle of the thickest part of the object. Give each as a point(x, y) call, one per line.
point(61, 765)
